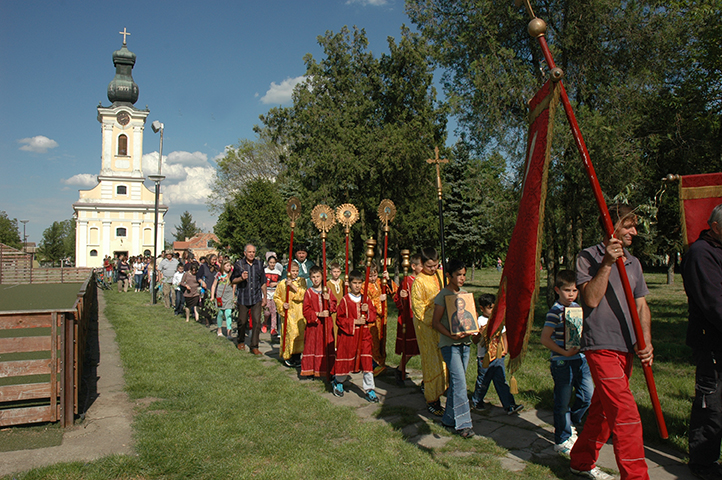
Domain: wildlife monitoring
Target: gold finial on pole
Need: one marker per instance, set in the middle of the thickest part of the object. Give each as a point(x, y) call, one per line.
point(405, 263)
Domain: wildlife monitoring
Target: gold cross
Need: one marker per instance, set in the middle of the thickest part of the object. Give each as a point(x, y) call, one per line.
point(438, 161)
point(124, 33)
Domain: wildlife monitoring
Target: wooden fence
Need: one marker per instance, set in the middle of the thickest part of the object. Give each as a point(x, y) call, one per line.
point(42, 360)
point(16, 267)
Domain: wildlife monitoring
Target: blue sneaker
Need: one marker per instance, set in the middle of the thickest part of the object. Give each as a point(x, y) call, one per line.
point(337, 388)
point(372, 397)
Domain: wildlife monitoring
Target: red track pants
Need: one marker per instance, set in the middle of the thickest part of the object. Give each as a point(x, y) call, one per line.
point(613, 410)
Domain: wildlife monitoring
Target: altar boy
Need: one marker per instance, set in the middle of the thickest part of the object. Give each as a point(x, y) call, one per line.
point(354, 339)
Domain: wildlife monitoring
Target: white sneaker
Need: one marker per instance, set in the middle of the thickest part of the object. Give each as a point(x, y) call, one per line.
point(566, 446)
point(593, 474)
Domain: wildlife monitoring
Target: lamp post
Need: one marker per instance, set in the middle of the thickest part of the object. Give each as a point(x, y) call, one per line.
point(25, 238)
point(157, 127)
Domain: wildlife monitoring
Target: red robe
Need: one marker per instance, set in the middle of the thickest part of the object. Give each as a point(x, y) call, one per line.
point(405, 333)
point(318, 348)
point(348, 354)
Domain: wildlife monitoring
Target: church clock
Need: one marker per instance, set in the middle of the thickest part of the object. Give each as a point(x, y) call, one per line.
point(123, 118)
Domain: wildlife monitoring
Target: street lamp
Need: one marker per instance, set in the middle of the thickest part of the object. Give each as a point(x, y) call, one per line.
point(25, 237)
point(157, 127)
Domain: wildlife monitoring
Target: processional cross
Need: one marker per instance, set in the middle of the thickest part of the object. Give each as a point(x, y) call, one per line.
point(438, 161)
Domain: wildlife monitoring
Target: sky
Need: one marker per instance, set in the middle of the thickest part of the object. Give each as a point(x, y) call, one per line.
point(206, 70)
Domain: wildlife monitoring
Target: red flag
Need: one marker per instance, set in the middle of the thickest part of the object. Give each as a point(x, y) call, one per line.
point(698, 195)
point(520, 279)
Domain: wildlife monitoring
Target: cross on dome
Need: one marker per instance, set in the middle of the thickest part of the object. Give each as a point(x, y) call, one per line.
point(124, 33)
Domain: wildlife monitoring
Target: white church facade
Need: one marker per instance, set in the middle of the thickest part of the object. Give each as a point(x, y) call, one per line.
point(117, 216)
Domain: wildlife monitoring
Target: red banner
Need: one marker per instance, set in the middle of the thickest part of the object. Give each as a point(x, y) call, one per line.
point(698, 195)
point(520, 279)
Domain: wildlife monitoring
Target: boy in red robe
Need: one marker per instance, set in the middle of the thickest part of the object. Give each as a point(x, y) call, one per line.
point(354, 339)
point(318, 349)
point(378, 330)
point(406, 344)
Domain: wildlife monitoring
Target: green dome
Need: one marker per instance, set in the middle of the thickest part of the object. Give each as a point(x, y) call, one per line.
point(122, 89)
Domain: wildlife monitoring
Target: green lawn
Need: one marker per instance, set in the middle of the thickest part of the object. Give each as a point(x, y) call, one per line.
point(210, 412)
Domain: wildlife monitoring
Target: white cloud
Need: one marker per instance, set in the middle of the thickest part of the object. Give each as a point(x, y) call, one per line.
point(279, 94)
point(188, 176)
point(82, 180)
point(375, 3)
point(187, 158)
point(38, 144)
point(193, 190)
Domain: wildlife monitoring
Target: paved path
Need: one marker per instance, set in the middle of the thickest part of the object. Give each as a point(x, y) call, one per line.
point(528, 437)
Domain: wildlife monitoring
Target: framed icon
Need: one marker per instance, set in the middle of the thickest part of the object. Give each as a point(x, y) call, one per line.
point(461, 312)
point(573, 324)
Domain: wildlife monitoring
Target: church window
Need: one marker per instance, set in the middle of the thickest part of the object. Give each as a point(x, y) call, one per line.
point(121, 190)
point(93, 253)
point(120, 232)
point(93, 237)
point(147, 236)
point(122, 145)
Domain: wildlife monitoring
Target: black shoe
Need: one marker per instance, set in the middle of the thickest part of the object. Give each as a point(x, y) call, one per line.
point(288, 364)
point(479, 406)
point(399, 378)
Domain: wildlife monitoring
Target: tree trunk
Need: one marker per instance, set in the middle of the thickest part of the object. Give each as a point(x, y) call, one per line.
point(670, 268)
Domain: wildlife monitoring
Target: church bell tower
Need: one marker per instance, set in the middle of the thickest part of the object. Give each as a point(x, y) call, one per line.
point(117, 216)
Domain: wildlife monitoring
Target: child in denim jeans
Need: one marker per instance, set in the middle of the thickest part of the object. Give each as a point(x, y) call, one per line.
point(495, 372)
point(568, 367)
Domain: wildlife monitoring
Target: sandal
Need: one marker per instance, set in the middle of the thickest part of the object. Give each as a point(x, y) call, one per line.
point(435, 408)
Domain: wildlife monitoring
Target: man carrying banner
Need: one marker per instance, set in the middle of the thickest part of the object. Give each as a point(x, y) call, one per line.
point(702, 274)
point(609, 342)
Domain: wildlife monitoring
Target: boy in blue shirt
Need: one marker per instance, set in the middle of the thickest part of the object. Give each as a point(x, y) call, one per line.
point(568, 367)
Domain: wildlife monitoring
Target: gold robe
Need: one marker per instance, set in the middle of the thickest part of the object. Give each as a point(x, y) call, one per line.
point(336, 291)
point(378, 329)
point(296, 323)
point(436, 377)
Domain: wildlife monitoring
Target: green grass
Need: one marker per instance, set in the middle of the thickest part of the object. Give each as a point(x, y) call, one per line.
point(38, 436)
point(210, 412)
point(38, 296)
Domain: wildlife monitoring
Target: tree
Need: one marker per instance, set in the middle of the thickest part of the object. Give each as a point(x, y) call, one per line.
point(187, 228)
point(478, 207)
point(9, 231)
point(360, 130)
point(644, 82)
point(58, 242)
point(256, 215)
point(243, 163)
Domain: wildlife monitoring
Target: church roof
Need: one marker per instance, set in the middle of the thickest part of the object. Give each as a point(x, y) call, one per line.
point(122, 89)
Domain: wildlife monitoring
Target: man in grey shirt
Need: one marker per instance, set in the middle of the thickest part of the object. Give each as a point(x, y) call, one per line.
point(609, 343)
point(167, 267)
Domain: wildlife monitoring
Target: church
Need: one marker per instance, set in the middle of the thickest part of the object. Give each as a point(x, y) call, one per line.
point(117, 216)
